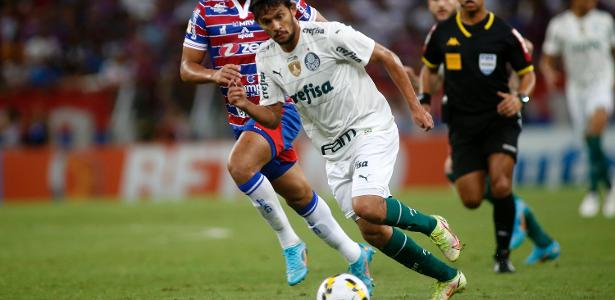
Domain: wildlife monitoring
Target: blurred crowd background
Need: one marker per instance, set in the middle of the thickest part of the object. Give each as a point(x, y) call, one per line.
point(83, 72)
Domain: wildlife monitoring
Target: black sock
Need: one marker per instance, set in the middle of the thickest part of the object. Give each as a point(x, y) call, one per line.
point(504, 219)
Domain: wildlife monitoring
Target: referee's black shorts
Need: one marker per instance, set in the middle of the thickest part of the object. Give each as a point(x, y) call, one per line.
point(474, 138)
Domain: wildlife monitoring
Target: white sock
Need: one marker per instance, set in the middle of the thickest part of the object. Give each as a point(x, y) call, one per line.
point(265, 200)
point(320, 220)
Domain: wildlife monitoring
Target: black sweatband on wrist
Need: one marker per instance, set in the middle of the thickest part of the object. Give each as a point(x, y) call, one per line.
point(424, 98)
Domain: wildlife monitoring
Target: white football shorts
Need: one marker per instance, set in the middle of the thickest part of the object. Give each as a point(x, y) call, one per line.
point(365, 169)
point(583, 103)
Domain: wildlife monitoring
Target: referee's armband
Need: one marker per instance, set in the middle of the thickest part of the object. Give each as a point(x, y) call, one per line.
point(424, 98)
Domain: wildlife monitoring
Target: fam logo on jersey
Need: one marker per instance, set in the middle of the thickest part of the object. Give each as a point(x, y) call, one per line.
point(312, 61)
point(245, 33)
point(294, 66)
point(310, 92)
point(487, 63)
point(231, 49)
point(347, 53)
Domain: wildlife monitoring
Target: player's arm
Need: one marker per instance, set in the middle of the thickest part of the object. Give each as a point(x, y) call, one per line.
point(306, 12)
point(521, 60)
point(551, 52)
point(430, 81)
point(397, 72)
point(272, 98)
point(513, 80)
point(268, 116)
point(196, 42)
point(550, 70)
point(191, 69)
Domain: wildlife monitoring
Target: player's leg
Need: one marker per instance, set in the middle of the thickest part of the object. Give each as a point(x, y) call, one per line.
point(577, 108)
point(250, 153)
point(294, 187)
point(250, 166)
point(500, 174)
point(599, 164)
point(519, 229)
point(374, 161)
point(400, 247)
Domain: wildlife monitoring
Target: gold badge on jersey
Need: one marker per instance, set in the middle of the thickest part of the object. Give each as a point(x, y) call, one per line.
point(453, 61)
point(453, 42)
point(294, 66)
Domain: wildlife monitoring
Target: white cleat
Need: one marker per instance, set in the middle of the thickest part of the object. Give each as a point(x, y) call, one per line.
point(609, 204)
point(590, 205)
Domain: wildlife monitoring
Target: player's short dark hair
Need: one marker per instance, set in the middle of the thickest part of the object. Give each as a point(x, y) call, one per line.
point(259, 7)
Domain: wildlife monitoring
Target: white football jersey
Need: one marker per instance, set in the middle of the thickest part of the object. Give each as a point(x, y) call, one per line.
point(585, 44)
point(326, 78)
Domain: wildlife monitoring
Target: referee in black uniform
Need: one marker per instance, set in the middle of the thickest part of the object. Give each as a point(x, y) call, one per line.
point(483, 115)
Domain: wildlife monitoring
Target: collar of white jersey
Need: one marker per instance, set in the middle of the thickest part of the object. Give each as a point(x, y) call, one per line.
point(242, 9)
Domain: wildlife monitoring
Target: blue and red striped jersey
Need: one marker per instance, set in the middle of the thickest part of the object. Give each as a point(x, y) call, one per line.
point(228, 31)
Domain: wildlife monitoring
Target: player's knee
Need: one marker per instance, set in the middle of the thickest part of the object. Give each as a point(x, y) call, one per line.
point(369, 208)
point(501, 186)
point(240, 172)
point(472, 203)
point(471, 199)
point(374, 234)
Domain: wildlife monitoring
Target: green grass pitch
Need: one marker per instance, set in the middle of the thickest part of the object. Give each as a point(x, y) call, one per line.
point(206, 249)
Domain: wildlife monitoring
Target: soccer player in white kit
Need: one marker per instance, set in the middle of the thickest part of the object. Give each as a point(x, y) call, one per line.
point(321, 67)
point(584, 38)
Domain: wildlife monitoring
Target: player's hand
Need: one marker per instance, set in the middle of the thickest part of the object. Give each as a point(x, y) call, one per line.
point(423, 119)
point(228, 73)
point(237, 94)
point(510, 104)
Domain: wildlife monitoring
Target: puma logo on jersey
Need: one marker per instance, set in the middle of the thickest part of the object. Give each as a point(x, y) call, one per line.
point(277, 73)
point(364, 177)
point(310, 92)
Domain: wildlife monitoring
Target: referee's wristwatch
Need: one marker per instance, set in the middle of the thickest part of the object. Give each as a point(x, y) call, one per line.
point(525, 99)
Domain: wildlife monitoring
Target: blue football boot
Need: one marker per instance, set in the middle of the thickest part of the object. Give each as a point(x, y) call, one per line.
point(361, 267)
point(547, 253)
point(296, 263)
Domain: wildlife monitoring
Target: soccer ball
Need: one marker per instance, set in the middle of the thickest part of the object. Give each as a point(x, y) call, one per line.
point(342, 287)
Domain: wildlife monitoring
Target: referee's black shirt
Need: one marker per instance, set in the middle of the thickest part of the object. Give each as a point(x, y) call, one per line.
point(475, 59)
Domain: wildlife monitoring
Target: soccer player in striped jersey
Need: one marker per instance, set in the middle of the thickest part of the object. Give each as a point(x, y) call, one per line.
point(525, 220)
point(263, 161)
point(584, 38)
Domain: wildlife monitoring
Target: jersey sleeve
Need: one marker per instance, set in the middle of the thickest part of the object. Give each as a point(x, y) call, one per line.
point(196, 35)
point(552, 45)
point(520, 57)
point(432, 52)
point(270, 91)
point(305, 12)
point(349, 44)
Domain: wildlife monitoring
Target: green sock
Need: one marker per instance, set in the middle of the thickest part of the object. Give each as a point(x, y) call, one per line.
point(534, 230)
point(406, 252)
point(402, 216)
point(597, 162)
